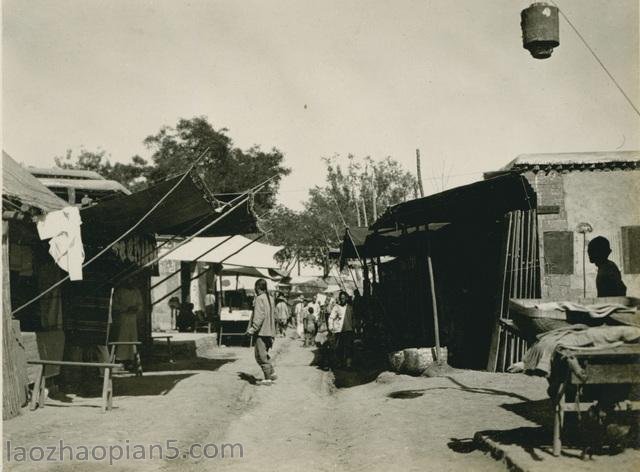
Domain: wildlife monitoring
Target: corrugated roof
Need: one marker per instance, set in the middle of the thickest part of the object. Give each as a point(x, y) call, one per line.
point(19, 184)
point(604, 159)
point(59, 172)
point(86, 184)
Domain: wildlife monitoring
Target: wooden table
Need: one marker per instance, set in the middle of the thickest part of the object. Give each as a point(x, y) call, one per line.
point(617, 365)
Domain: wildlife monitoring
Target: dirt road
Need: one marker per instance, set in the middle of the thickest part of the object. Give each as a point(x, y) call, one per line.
point(302, 423)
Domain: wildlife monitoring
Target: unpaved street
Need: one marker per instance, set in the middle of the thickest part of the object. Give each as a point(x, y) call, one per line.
point(304, 422)
point(301, 423)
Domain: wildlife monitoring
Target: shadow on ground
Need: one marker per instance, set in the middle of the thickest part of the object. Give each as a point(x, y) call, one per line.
point(415, 393)
point(580, 433)
point(130, 385)
point(199, 363)
point(364, 370)
point(253, 380)
point(347, 378)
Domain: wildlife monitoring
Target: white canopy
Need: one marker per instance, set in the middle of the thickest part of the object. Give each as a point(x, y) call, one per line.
point(238, 255)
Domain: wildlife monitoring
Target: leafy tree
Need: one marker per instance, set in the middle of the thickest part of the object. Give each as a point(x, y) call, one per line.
point(344, 200)
point(224, 168)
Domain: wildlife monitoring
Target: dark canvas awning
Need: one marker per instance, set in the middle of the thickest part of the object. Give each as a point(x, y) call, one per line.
point(187, 209)
point(479, 200)
point(22, 188)
point(365, 243)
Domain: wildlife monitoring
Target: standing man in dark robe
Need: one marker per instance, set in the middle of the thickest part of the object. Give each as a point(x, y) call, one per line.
point(262, 326)
point(608, 280)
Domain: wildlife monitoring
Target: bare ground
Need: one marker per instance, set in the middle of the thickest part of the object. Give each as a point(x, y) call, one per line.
point(304, 422)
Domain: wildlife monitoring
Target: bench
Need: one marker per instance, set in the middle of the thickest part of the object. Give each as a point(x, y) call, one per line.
point(136, 354)
point(39, 395)
point(607, 366)
point(168, 339)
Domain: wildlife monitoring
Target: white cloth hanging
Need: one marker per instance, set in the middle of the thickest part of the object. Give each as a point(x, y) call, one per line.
point(62, 227)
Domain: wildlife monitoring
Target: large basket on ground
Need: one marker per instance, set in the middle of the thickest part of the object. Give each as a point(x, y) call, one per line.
point(532, 320)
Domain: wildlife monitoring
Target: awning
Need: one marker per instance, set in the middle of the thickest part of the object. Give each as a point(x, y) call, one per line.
point(274, 274)
point(364, 243)
point(189, 208)
point(20, 186)
point(238, 256)
point(479, 200)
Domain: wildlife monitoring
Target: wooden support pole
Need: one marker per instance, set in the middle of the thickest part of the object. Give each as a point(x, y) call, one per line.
point(512, 259)
point(501, 304)
point(434, 304)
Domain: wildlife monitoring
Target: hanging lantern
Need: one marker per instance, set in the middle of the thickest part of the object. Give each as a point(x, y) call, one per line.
point(540, 29)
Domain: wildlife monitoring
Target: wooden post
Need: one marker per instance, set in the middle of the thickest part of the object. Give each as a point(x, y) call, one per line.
point(14, 385)
point(492, 363)
point(434, 303)
point(419, 172)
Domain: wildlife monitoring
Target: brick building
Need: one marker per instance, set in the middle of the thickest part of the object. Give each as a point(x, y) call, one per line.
point(597, 190)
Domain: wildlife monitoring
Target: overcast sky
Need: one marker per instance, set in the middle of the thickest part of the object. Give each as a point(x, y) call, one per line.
point(377, 77)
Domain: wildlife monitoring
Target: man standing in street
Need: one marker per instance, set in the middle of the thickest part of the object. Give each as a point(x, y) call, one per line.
point(262, 327)
point(340, 324)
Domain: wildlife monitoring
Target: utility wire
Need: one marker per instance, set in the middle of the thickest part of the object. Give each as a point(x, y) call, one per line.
point(122, 236)
point(604, 68)
point(245, 197)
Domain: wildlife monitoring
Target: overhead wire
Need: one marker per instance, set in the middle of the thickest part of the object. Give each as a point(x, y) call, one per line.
point(598, 60)
point(122, 236)
point(245, 197)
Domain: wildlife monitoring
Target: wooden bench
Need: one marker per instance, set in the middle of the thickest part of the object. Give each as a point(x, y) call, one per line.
point(39, 396)
point(137, 362)
point(168, 339)
point(616, 365)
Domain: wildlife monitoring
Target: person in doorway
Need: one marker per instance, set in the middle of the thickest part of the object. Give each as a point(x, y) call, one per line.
point(262, 327)
point(186, 318)
point(282, 314)
point(608, 280)
point(127, 307)
point(340, 324)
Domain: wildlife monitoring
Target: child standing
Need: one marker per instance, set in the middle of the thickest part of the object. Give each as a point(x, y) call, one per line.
point(309, 322)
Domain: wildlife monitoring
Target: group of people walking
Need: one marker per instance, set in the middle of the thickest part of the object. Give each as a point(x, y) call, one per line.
point(330, 326)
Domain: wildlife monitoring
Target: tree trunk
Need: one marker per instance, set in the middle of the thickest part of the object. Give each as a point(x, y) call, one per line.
point(374, 194)
point(364, 213)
